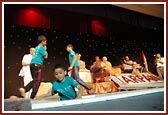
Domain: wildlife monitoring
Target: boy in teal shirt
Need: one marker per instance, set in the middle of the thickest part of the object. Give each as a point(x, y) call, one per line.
point(74, 67)
point(36, 63)
point(65, 85)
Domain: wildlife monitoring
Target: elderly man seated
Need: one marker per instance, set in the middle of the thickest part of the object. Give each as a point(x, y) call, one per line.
point(127, 65)
point(108, 66)
point(130, 66)
point(82, 64)
point(97, 71)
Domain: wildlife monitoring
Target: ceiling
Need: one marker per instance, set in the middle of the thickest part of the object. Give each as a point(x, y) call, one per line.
point(156, 10)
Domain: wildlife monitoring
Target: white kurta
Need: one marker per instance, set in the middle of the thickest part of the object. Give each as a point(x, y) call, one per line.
point(160, 64)
point(25, 72)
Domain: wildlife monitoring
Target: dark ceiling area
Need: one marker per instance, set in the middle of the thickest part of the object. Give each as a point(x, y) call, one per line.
point(146, 15)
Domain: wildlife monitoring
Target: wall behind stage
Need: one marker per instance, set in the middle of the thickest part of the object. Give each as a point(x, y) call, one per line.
point(18, 40)
point(91, 36)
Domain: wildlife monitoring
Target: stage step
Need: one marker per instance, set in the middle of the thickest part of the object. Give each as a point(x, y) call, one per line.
point(52, 101)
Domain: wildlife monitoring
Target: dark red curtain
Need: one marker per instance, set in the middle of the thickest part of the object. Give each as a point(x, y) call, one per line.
point(98, 27)
point(28, 16)
point(32, 16)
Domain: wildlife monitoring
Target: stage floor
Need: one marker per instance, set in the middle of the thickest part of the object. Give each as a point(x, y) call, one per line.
point(119, 101)
point(136, 100)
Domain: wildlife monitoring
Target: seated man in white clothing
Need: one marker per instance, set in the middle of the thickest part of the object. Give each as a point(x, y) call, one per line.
point(128, 65)
point(159, 62)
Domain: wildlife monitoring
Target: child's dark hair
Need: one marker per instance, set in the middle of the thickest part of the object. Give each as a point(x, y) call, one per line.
point(69, 45)
point(59, 66)
point(41, 38)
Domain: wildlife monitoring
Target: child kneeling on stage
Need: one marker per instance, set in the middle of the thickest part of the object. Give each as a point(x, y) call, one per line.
point(65, 85)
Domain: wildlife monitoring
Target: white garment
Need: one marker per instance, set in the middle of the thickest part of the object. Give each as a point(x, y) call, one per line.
point(128, 65)
point(25, 72)
point(160, 64)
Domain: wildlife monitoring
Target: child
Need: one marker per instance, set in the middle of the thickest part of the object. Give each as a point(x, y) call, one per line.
point(74, 66)
point(65, 85)
point(36, 63)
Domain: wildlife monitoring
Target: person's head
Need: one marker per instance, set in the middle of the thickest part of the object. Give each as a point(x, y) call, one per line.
point(158, 55)
point(78, 56)
point(59, 72)
point(104, 58)
point(126, 58)
point(42, 40)
point(31, 50)
point(69, 47)
point(97, 58)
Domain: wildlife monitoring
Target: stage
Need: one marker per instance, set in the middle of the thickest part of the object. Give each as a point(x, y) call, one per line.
point(151, 99)
point(143, 92)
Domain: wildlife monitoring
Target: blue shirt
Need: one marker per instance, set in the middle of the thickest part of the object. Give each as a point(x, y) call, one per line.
point(71, 54)
point(38, 55)
point(66, 89)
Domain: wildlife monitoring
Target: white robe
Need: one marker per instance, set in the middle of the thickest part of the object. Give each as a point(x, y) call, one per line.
point(25, 72)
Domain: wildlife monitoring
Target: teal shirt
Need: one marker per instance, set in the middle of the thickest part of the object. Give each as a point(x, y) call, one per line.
point(71, 54)
point(66, 89)
point(38, 55)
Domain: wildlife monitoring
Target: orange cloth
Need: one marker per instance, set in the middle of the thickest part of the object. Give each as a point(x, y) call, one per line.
point(108, 66)
point(103, 87)
point(116, 70)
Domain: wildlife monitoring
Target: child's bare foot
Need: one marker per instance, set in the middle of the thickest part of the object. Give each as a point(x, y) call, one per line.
point(22, 92)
